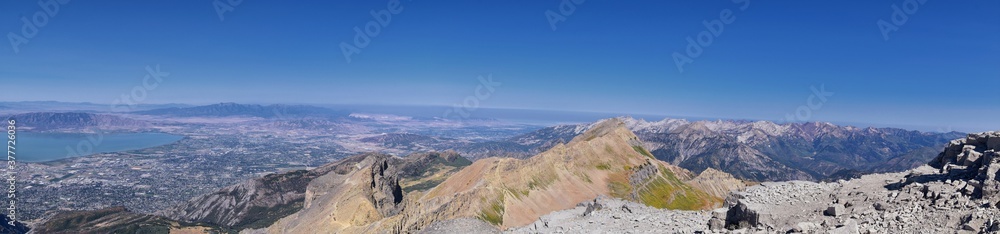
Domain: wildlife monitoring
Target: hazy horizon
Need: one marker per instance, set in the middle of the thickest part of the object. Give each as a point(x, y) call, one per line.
point(757, 60)
point(539, 116)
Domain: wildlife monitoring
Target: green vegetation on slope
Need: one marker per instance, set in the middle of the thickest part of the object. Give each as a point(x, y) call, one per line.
point(667, 191)
point(642, 151)
point(494, 212)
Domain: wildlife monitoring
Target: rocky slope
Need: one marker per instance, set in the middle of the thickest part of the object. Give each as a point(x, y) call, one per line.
point(957, 193)
point(254, 203)
point(259, 203)
point(117, 220)
point(609, 215)
point(607, 160)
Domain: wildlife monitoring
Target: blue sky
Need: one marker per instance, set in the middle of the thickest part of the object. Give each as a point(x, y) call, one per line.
point(941, 68)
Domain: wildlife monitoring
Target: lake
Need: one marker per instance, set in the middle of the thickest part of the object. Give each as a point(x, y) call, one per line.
point(40, 147)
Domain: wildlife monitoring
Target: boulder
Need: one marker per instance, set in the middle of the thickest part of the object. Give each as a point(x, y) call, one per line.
point(849, 227)
point(880, 206)
point(993, 142)
point(741, 216)
point(807, 227)
point(835, 210)
point(716, 224)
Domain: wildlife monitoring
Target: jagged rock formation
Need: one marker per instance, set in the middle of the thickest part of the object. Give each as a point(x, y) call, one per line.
point(386, 194)
point(347, 199)
point(976, 160)
point(606, 160)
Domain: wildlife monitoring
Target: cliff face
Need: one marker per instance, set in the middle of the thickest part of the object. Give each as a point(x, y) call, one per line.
point(257, 203)
point(606, 160)
point(347, 199)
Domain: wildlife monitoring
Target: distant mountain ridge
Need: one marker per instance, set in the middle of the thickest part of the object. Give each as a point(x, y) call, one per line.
point(753, 150)
point(766, 151)
point(228, 109)
point(55, 106)
point(43, 121)
point(524, 145)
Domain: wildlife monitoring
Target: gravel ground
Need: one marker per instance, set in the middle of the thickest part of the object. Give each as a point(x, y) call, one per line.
point(609, 215)
point(461, 226)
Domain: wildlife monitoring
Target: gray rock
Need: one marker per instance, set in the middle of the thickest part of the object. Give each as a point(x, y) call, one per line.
point(626, 209)
point(993, 142)
point(835, 210)
point(807, 227)
point(720, 213)
point(716, 224)
point(741, 216)
point(592, 206)
point(460, 226)
point(880, 206)
point(849, 227)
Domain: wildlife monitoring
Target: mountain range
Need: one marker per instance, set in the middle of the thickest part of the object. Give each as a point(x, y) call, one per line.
point(277, 111)
point(45, 121)
point(607, 160)
point(753, 150)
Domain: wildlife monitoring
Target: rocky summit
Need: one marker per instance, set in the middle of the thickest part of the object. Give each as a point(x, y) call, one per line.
point(955, 193)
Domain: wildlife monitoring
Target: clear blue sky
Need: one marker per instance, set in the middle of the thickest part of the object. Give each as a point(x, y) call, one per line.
point(941, 68)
